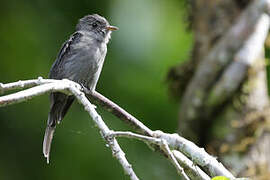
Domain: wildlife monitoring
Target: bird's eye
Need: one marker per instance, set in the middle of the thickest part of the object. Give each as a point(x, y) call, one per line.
point(94, 25)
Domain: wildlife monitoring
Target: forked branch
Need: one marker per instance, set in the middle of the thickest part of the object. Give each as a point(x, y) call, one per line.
point(172, 145)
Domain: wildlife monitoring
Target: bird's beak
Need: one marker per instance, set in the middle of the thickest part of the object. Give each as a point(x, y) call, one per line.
point(112, 28)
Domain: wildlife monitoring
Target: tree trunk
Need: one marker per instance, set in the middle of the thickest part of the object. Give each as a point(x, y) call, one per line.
point(224, 103)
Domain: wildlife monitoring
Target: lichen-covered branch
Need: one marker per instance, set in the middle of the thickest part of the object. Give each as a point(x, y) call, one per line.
point(198, 155)
point(190, 168)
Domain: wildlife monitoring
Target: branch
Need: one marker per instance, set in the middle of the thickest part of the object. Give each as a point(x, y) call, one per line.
point(105, 131)
point(184, 161)
point(198, 155)
point(119, 112)
point(24, 84)
point(68, 87)
point(179, 169)
point(164, 141)
point(192, 170)
point(140, 137)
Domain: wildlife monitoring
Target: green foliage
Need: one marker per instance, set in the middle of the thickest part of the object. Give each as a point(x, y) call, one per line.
point(225, 178)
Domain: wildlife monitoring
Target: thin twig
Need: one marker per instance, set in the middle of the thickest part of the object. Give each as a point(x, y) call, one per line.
point(119, 112)
point(192, 170)
point(132, 135)
point(179, 169)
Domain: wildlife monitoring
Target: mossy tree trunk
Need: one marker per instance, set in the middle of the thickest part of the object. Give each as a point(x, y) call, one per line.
point(224, 103)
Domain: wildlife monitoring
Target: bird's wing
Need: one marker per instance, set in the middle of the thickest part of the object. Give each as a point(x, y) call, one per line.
point(60, 103)
point(64, 51)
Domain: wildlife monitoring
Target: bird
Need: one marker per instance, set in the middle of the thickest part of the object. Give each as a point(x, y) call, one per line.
point(80, 59)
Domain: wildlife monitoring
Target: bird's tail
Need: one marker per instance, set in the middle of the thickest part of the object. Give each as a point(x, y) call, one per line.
point(60, 104)
point(47, 141)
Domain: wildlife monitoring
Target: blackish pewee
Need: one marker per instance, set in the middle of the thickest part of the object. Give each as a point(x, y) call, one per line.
point(80, 59)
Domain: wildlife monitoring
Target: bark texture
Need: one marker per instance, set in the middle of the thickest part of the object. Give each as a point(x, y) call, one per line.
point(230, 120)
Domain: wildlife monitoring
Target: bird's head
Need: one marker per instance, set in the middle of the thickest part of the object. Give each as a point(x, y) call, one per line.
point(96, 25)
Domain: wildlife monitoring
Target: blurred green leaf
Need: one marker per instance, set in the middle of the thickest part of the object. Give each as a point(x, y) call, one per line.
point(220, 178)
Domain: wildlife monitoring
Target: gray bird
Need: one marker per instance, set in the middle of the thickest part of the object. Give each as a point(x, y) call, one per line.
point(80, 59)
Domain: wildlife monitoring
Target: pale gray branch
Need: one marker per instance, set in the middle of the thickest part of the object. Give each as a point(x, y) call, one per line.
point(163, 140)
point(146, 139)
point(119, 112)
point(68, 87)
point(105, 131)
point(171, 157)
point(192, 170)
point(24, 84)
point(198, 155)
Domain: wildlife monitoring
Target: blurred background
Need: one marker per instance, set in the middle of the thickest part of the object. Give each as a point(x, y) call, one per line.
point(152, 37)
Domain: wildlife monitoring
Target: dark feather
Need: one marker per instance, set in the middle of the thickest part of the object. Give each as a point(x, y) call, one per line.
point(64, 51)
point(67, 105)
point(60, 103)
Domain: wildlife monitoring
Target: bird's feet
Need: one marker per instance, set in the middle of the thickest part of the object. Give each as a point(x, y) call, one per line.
point(88, 91)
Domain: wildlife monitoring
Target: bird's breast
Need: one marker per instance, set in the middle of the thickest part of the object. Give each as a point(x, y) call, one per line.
point(88, 61)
